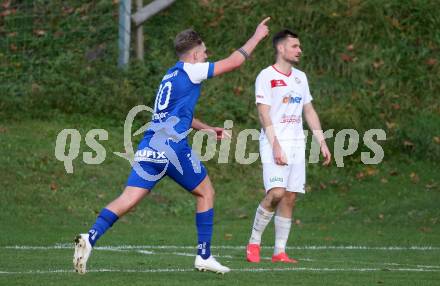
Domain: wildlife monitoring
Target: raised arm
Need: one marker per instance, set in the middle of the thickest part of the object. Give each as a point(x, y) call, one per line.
point(266, 123)
point(312, 120)
point(237, 58)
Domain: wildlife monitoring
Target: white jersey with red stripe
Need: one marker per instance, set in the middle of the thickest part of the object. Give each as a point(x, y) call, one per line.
point(286, 95)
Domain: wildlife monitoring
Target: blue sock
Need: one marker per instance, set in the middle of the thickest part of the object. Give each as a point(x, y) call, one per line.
point(104, 221)
point(204, 223)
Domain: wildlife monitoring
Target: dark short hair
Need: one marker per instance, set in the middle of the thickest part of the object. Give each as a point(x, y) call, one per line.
point(282, 35)
point(186, 40)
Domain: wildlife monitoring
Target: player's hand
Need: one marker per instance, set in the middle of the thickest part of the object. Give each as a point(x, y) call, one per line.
point(278, 155)
point(262, 29)
point(221, 133)
point(326, 154)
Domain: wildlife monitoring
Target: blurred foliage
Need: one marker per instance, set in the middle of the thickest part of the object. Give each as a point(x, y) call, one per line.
point(370, 64)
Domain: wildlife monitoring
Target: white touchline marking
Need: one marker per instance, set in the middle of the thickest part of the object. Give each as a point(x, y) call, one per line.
point(194, 254)
point(165, 270)
point(178, 254)
point(145, 252)
point(310, 247)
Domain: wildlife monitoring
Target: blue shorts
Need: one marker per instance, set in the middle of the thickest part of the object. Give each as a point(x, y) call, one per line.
point(151, 165)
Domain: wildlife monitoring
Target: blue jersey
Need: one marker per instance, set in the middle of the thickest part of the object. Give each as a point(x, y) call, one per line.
point(178, 93)
point(164, 151)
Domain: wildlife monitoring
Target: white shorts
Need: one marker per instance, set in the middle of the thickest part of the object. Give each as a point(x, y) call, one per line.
point(292, 177)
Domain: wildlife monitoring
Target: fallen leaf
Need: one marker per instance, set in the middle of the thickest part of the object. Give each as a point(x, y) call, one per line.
point(381, 216)
point(408, 143)
point(328, 238)
point(68, 10)
point(3, 129)
point(13, 47)
point(384, 180)
point(371, 171)
point(360, 175)
point(238, 90)
point(35, 88)
point(431, 62)
point(297, 222)
point(346, 58)
point(53, 187)
point(243, 215)
point(390, 125)
point(414, 177)
point(58, 34)
point(205, 2)
point(228, 236)
point(395, 23)
point(322, 186)
point(334, 182)
point(425, 229)
point(350, 47)
point(431, 185)
point(436, 139)
point(395, 106)
point(377, 64)
point(40, 33)
point(369, 81)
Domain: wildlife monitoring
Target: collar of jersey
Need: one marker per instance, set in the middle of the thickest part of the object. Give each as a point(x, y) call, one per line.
point(290, 73)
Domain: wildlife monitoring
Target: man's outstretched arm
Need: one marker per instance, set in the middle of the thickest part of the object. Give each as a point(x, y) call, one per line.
point(237, 58)
point(220, 132)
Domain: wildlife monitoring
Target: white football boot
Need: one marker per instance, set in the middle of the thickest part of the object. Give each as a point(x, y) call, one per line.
point(210, 264)
point(83, 248)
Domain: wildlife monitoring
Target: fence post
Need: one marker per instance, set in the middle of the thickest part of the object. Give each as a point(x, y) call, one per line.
point(124, 32)
point(139, 35)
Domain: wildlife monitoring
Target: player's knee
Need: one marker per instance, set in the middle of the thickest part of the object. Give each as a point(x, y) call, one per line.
point(209, 194)
point(275, 196)
point(205, 194)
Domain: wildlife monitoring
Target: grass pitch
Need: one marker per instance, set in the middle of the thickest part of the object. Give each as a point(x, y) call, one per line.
point(359, 225)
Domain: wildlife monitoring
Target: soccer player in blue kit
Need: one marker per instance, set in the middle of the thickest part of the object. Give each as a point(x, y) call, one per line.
point(164, 149)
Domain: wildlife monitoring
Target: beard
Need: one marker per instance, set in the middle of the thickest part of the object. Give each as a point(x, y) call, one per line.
point(292, 61)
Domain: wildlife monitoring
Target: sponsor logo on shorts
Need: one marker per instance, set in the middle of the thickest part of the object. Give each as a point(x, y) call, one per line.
point(147, 155)
point(276, 179)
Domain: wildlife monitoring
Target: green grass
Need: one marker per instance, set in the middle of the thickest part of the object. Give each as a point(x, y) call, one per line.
point(142, 265)
point(370, 64)
point(394, 204)
point(388, 77)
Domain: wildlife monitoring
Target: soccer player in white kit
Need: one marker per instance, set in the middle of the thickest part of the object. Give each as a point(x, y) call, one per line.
point(282, 96)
